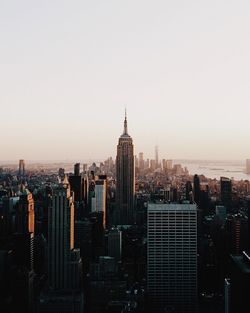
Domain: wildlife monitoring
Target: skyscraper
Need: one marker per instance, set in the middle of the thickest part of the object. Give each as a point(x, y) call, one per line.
point(101, 197)
point(197, 190)
point(226, 191)
point(141, 161)
point(125, 178)
point(76, 183)
point(172, 257)
point(61, 256)
point(156, 157)
point(114, 243)
point(25, 214)
point(21, 168)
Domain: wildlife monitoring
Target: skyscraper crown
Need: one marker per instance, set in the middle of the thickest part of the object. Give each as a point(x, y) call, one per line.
point(125, 130)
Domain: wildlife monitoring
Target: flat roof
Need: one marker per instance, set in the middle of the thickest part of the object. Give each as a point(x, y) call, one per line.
point(172, 207)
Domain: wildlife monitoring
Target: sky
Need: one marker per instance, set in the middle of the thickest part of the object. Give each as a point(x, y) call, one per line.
point(69, 68)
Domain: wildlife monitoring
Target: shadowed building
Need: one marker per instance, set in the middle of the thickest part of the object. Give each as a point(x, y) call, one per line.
point(172, 257)
point(226, 191)
point(125, 178)
point(196, 189)
point(64, 262)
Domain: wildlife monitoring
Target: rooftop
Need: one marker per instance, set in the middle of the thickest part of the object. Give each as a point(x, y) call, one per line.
point(172, 207)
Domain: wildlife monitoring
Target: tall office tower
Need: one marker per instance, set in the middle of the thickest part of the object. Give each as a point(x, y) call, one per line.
point(61, 173)
point(23, 252)
point(226, 191)
point(189, 189)
point(101, 197)
point(141, 161)
point(156, 157)
point(25, 214)
point(114, 243)
point(77, 169)
point(76, 183)
point(21, 171)
point(197, 190)
point(172, 257)
point(125, 178)
point(248, 166)
point(61, 238)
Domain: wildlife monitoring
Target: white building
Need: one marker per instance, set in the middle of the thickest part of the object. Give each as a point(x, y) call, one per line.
point(100, 195)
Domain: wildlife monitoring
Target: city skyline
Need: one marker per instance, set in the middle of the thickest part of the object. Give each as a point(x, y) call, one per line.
point(181, 70)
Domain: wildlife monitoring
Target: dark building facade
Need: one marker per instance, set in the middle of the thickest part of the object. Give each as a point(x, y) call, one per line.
point(226, 192)
point(197, 189)
point(125, 178)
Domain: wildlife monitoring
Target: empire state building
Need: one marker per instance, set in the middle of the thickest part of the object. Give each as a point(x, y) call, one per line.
point(125, 178)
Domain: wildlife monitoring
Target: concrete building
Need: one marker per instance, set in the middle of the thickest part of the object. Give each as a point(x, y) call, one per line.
point(172, 257)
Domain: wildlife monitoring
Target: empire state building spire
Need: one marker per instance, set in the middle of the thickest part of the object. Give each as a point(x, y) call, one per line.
point(125, 132)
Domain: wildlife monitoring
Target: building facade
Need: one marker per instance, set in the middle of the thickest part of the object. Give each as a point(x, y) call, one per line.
point(172, 257)
point(125, 179)
point(61, 254)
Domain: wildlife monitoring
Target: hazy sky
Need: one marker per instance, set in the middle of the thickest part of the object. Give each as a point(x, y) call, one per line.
point(68, 68)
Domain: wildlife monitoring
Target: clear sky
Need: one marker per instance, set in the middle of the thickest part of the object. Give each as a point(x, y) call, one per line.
point(68, 68)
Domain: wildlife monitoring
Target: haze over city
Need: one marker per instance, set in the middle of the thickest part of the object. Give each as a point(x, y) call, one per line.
point(69, 69)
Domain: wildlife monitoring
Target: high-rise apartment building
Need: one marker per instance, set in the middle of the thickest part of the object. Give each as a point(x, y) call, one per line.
point(172, 257)
point(125, 178)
